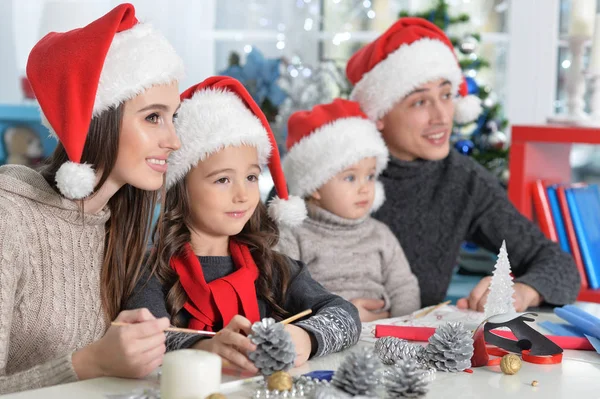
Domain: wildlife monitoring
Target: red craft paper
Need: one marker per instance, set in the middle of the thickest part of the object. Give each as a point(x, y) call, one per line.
point(480, 356)
point(423, 334)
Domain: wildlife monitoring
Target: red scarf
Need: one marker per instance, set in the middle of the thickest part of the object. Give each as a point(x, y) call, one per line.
point(213, 305)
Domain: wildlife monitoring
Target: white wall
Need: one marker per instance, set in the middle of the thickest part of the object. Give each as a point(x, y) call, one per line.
point(9, 74)
point(186, 24)
point(532, 60)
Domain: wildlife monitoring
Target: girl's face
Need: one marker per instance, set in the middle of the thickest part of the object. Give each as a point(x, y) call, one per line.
point(223, 191)
point(146, 138)
point(419, 126)
point(350, 193)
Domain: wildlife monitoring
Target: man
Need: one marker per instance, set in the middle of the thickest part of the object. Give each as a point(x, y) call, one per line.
point(409, 82)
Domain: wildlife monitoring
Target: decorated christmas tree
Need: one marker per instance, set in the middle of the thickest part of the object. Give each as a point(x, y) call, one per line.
point(500, 299)
point(483, 139)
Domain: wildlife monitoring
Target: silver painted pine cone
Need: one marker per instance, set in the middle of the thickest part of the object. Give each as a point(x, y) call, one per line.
point(275, 350)
point(406, 380)
point(391, 349)
point(450, 348)
point(359, 373)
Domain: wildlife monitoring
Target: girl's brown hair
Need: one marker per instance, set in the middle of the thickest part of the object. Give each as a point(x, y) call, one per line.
point(260, 234)
point(128, 229)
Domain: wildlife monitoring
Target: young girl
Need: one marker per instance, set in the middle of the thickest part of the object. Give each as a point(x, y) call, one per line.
point(335, 155)
point(213, 251)
point(72, 237)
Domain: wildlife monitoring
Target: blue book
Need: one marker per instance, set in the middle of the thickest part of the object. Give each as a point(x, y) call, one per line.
point(584, 204)
point(559, 221)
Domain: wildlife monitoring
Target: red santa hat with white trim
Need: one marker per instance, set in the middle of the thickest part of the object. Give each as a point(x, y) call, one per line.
point(326, 140)
point(413, 51)
point(217, 113)
point(79, 74)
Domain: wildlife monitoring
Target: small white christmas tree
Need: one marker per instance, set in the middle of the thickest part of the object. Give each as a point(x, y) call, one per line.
point(500, 299)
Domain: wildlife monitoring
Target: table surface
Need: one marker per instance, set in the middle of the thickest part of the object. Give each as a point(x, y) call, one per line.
point(577, 376)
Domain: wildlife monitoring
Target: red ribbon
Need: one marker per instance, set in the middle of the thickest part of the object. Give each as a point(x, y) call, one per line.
point(495, 351)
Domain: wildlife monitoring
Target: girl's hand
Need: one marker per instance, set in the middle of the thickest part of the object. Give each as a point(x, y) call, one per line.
point(302, 343)
point(131, 351)
point(231, 344)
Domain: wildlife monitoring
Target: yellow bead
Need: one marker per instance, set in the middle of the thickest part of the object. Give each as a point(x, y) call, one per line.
point(534, 383)
point(510, 364)
point(280, 380)
point(216, 396)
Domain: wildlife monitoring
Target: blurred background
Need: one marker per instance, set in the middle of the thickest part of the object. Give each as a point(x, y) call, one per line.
point(291, 55)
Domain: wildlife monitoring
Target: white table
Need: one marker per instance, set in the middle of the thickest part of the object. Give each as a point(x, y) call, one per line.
point(578, 376)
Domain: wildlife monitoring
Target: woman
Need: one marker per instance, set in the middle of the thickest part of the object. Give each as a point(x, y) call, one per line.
point(72, 236)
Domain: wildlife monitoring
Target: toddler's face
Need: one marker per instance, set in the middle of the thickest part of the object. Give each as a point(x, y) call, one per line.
point(223, 191)
point(350, 193)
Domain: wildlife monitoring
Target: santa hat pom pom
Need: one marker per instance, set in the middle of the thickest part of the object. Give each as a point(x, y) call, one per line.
point(290, 212)
point(468, 108)
point(75, 180)
point(379, 196)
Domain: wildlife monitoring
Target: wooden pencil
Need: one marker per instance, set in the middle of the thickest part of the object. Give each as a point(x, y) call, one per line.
point(173, 329)
point(431, 309)
point(296, 316)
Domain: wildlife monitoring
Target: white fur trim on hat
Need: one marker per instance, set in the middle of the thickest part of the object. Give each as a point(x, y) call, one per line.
point(290, 212)
point(327, 151)
point(468, 108)
point(379, 196)
point(210, 121)
point(75, 180)
point(403, 71)
point(137, 59)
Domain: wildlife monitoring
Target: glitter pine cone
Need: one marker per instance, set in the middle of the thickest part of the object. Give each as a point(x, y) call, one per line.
point(450, 348)
point(275, 350)
point(406, 380)
point(392, 349)
point(359, 373)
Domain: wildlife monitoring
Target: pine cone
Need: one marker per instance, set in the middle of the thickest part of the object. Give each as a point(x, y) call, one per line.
point(359, 373)
point(390, 349)
point(406, 379)
point(387, 348)
point(450, 348)
point(275, 350)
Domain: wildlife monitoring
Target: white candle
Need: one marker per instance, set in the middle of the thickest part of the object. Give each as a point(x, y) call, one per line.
point(582, 17)
point(594, 65)
point(190, 373)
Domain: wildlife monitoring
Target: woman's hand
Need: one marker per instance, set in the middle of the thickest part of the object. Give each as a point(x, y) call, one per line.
point(131, 351)
point(302, 343)
point(231, 344)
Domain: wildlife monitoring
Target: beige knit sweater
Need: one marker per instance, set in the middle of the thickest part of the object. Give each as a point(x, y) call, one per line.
point(49, 281)
point(353, 259)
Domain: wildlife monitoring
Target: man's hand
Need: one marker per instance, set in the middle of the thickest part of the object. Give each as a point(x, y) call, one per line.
point(525, 296)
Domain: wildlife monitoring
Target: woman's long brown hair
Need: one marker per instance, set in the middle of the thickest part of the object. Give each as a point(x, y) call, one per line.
point(128, 229)
point(260, 234)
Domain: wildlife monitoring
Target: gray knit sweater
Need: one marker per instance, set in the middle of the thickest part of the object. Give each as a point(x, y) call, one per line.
point(353, 258)
point(432, 207)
